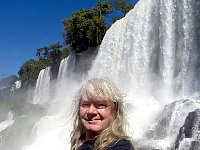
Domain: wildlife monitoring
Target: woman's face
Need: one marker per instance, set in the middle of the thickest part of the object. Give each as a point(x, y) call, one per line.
point(95, 115)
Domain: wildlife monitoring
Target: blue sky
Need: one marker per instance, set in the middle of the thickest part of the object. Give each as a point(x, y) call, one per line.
point(26, 25)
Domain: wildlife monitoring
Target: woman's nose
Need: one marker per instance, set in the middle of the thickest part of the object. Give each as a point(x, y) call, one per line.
point(92, 109)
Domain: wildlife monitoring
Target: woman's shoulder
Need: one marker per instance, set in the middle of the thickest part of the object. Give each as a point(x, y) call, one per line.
point(121, 144)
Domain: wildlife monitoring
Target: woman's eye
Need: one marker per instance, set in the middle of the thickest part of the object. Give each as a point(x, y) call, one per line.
point(101, 106)
point(84, 105)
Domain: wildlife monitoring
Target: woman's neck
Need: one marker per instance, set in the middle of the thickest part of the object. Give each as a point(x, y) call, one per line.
point(90, 135)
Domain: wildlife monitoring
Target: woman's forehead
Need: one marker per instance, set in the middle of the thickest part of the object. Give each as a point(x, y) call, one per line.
point(89, 98)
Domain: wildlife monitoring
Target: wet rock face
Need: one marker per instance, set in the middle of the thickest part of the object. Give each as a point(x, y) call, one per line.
point(54, 69)
point(84, 60)
point(191, 130)
point(171, 119)
point(195, 145)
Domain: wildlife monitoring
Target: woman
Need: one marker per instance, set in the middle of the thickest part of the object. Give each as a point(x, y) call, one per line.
point(99, 121)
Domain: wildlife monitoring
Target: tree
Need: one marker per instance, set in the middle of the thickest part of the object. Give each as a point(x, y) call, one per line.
point(103, 8)
point(77, 31)
point(86, 28)
point(50, 54)
point(42, 53)
point(124, 6)
point(54, 53)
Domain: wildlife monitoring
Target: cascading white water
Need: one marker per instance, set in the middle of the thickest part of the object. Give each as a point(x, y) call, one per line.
point(42, 89)
point(66, 67)
point(5, 124)
point(156, 41)
point(65, 82)
point(152, 54)
point(51, 131)
point(18, 84)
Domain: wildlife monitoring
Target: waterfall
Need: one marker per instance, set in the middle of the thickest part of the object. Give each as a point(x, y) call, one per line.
point(155, 47)
point(5, 124)
point(152, 54)
point(65, 81)
point(42, 89)
point(66, 67)
point(18, 84)
point(62, 68)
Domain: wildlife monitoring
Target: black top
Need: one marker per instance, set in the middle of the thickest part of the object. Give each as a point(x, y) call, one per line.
point(118, 145)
